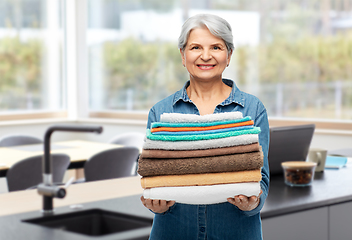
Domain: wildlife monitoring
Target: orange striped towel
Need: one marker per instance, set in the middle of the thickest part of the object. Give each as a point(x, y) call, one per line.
point(186, 129)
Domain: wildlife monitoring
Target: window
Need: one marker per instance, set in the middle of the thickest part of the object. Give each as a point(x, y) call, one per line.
point(295, 55)
point(31, 56)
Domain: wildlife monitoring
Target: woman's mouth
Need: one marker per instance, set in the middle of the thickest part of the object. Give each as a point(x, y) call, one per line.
point(205, 66)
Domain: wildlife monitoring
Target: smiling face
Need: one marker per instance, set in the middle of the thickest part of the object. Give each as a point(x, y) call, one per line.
point(205, 56)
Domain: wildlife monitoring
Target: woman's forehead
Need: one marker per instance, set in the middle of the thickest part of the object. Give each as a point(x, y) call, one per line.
point(203, 35)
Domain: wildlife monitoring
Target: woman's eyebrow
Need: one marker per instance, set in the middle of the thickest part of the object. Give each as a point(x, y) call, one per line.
point(213, 44)
point(218, 43)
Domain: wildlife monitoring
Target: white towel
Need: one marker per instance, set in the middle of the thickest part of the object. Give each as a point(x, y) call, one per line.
point(210, 194)
point(190, 118)
point(201, 144)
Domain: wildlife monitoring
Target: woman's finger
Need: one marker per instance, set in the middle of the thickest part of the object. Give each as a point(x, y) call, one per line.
point(170, 203)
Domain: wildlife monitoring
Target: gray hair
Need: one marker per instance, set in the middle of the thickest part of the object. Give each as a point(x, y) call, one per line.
point(218, 26)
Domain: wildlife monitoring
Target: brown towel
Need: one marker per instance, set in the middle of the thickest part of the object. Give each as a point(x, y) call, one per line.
point(201, 179)
point(179, 166)
point(154, 153)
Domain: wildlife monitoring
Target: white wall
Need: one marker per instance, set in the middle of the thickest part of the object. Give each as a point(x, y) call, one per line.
point(331, 141)
point(38, 129)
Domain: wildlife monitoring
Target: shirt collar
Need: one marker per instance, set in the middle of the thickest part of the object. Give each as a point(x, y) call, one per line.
point(236, 95)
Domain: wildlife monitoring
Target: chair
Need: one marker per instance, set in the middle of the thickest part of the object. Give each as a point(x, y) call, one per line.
point(28, 172)
point(16, 140)
point(133, 139)
point(112, 163)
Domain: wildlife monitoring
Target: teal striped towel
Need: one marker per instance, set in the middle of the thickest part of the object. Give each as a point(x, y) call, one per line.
point(203, 132)
point(196, 124)
point(255, 130)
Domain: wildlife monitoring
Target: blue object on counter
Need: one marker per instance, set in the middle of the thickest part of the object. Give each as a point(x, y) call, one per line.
point(335, 162)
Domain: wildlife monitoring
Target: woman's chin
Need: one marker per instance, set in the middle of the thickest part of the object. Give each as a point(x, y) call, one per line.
point(207, 78)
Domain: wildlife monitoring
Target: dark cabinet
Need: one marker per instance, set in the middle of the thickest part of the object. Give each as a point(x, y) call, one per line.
point(326, 223)
point(340, 216)
point(311, 224)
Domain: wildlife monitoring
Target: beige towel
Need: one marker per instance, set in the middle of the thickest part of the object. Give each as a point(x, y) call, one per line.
point(156, 153)
point(201, 179)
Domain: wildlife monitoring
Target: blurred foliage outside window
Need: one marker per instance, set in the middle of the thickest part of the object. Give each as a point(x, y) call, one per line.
point(20, 63)
point(31, 77)
point(301, 67)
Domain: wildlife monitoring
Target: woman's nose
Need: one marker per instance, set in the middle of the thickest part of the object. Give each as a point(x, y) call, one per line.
point(206, 55)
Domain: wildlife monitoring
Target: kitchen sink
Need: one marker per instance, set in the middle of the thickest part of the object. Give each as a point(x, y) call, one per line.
point(97, 222)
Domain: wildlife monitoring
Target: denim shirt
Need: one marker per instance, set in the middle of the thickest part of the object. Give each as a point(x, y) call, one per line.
point(215, 221)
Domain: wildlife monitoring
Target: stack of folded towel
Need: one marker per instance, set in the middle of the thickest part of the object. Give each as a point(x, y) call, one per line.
point(196, 159)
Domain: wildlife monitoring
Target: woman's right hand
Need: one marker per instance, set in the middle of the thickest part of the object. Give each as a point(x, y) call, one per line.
point(157, 206)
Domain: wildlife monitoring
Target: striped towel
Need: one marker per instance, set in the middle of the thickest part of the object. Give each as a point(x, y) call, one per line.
point(254, 130)
point(196, 124)
point(194, 129)
point(203, 132)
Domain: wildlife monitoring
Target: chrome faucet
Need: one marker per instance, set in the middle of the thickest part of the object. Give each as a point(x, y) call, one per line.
point(47, 189)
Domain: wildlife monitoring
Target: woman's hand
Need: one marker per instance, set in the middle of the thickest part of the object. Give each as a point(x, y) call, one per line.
point(157, 206)
point(245, 203)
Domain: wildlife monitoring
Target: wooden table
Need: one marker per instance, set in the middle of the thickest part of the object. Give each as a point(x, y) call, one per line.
point(78, 150)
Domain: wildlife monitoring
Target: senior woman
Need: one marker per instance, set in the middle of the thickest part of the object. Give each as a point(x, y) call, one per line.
point(206, 46)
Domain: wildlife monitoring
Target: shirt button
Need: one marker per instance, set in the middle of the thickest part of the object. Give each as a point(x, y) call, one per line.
point(202, 229)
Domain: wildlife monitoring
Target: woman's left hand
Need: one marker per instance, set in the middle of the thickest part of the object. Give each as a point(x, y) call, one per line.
point(245, 203)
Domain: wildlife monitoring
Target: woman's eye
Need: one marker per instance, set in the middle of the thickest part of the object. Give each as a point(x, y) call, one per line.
point(195, 47)
point(216, 48)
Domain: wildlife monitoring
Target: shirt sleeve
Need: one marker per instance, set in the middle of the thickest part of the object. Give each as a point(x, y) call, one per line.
point(151, 118)
point(264, 138)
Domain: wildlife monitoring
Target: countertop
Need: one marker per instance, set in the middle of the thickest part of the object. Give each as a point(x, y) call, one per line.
point(13, 229)
point(328, 188)
point(123, 195)
point(118, 195)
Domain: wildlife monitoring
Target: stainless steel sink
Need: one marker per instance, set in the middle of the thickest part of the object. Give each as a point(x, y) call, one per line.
point(98, 222)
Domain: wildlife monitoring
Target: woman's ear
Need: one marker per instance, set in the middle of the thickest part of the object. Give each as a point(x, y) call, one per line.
point(183, 58)
point(229, 57)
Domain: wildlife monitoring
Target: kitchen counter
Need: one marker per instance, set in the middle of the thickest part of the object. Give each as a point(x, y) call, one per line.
point(321, 211)
point(13, 229)
point(118, 195)
point(328, 188)
point(122, 195)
